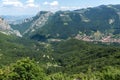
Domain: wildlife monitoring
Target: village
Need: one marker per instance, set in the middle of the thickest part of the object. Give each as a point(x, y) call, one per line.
point(104, 39)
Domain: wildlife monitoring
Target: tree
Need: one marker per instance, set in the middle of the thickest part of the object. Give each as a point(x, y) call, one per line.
point(24, 69)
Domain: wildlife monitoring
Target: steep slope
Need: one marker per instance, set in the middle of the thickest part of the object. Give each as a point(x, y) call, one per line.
point(88, 21)
point(6, 29)
point(30, 25)
point(103, 19)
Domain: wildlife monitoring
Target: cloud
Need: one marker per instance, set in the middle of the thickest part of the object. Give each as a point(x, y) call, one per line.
point(15, 3)
point(54, 3)
point(30, 3)
point(46, 3)
point(18, 7)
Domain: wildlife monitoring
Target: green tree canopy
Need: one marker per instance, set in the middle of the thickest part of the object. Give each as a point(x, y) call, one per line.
point(24, 69)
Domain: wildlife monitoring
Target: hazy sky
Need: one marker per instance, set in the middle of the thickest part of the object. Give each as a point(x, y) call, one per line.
point(31, 7)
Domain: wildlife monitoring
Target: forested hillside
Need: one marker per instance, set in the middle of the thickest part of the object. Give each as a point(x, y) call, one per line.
point(65, 60)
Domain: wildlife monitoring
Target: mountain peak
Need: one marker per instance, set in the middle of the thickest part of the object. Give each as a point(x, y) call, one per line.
point(42, 13)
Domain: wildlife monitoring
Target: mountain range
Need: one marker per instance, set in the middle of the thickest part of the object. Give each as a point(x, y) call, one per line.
point(96, 22)
point(99, 23)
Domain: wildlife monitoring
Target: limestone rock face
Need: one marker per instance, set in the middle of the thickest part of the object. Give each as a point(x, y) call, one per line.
point(6, 29)
point(4, 25)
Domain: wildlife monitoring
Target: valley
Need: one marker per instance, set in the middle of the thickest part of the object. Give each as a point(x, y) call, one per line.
point(82, 44)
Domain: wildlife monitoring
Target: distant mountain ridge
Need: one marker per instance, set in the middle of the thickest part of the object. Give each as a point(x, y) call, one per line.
point(96, 22)
point(17, 19)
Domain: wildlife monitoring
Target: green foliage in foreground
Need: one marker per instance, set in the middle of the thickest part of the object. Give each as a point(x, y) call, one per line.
point(26, 69)
point(107, 73)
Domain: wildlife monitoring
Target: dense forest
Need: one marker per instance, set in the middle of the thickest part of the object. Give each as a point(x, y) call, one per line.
point(71, 59)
